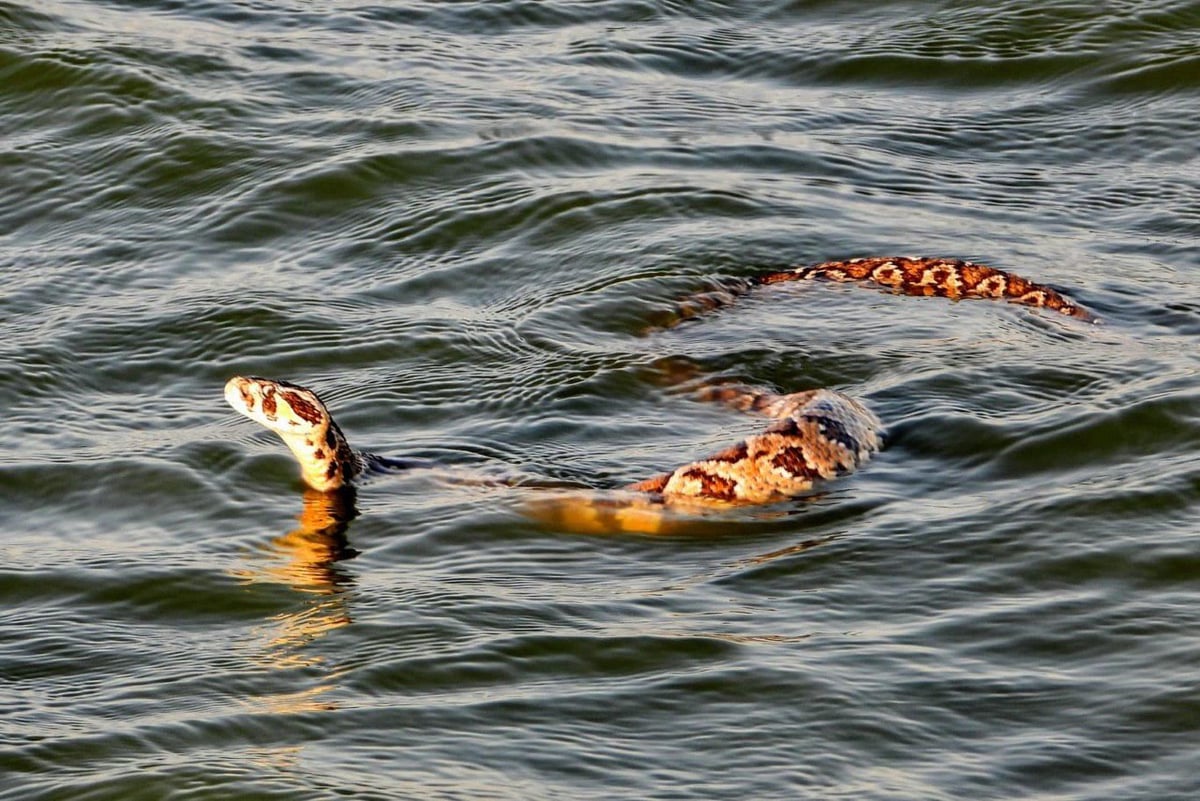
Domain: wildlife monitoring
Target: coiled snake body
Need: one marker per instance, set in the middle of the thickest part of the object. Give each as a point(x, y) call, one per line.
point(817, 435)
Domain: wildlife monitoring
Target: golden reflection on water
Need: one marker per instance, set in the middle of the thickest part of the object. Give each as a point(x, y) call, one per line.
point(625, 512)
point(304, 559)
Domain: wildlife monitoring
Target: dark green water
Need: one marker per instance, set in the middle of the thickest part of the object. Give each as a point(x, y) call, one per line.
point(455, 220)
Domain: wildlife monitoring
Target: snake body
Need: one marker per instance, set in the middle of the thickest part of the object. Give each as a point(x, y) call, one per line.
point(816, 435)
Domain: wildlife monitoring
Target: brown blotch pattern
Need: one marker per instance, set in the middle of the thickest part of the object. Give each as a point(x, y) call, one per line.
point(711, 485)
point(820, 434)
point(303, 408)
point(949, 278)
point(792, 460)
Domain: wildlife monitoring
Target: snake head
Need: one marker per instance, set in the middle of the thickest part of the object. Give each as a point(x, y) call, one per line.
point(287, 409)
point(299, 417)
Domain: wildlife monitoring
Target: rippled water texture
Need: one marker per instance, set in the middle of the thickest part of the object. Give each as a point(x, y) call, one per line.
point(457, 221)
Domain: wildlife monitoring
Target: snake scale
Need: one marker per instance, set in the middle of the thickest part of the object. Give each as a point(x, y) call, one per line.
point(815, 436)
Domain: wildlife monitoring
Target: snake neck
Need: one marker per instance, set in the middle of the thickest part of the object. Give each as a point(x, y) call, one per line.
point(327, 461)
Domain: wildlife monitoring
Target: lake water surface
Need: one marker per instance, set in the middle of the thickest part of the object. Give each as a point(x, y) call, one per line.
point(456, 220)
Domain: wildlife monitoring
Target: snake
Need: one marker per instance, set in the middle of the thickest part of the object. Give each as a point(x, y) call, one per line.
point(815, 436)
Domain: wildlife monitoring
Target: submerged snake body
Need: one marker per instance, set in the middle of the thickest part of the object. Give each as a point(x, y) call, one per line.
point(818, 434)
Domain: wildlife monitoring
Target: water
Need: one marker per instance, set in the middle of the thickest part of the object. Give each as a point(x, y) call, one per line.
point(455, 220)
